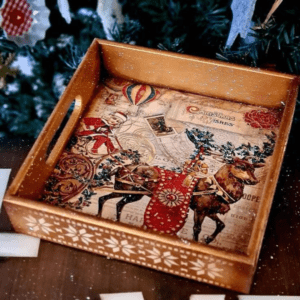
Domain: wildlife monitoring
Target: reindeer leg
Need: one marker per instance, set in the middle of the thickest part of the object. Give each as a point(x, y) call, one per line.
point(220, 226)
point(103, 199)
point(125, 200)
point(198, 220)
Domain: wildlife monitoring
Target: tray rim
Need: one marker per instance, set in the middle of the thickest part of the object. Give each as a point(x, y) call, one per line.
point(260, 223)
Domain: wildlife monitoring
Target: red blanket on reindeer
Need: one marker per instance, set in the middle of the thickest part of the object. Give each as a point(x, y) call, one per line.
point(169, 204)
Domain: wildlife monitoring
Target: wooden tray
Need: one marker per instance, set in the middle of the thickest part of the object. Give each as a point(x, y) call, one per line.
point(256, 88)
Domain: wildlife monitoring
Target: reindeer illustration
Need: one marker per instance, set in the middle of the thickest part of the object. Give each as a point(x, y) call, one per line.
point(212, 195)
point(206, 196)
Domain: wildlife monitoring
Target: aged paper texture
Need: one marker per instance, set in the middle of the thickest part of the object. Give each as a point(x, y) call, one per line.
point(172, 162)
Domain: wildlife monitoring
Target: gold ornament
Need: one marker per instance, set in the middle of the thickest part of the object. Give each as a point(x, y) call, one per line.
point(5, 69)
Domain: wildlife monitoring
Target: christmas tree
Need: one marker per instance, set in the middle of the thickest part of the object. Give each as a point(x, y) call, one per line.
point(36, 65)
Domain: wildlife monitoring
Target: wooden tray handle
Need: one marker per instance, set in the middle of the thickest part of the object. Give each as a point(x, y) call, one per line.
point(66, 133)
point(37, 167)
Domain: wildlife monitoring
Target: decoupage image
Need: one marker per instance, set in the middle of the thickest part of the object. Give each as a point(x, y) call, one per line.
point(170, 162)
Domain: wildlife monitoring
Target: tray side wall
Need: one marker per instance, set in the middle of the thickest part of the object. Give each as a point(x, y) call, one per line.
point(272, 179)
point(196, 75)
point(161, 256)
point(36, 169)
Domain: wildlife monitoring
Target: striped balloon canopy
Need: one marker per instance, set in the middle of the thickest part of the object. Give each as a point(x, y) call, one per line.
point(139, 94)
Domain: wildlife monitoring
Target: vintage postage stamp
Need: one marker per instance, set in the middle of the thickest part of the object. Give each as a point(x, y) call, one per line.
point(159, 127)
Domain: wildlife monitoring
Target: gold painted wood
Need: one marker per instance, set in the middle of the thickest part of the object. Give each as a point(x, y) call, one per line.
point(191, 74)
point(37, 165)
point(158, 252)
point(197, 75)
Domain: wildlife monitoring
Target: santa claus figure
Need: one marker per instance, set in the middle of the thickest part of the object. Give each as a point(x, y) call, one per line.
point(100, 129)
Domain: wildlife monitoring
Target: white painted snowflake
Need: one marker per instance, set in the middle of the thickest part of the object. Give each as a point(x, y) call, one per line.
point(79, 235)
point(38, 224)
point(164, 257)
point(206, 268)
point(119, 246)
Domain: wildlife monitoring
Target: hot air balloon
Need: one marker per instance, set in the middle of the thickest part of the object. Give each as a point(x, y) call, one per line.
point(139, 94)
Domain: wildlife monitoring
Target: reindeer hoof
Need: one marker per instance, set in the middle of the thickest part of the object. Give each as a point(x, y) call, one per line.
point(208, 239)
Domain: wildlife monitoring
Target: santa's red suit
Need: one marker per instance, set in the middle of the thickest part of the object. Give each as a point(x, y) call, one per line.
point(99, 132)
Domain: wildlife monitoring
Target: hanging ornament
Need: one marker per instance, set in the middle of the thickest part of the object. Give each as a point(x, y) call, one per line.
point(5, 69)
point(64, 9)
point(110, 12)
point(24, 21)
point(242, 11)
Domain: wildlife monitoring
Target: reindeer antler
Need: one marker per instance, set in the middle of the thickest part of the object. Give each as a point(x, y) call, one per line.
point(256, 154)
point(203, 141)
